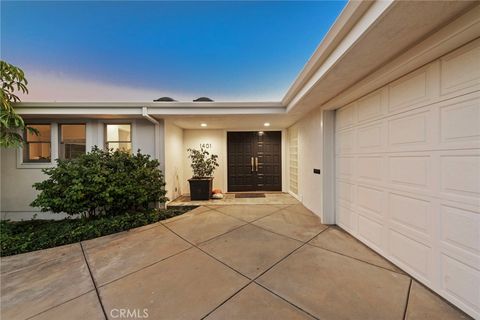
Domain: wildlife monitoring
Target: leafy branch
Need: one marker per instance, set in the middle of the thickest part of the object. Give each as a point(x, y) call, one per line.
point(203, 164)
point(12, 80)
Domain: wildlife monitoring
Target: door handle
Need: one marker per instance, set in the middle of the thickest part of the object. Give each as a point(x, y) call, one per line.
point(256, 164)
point(251, 163)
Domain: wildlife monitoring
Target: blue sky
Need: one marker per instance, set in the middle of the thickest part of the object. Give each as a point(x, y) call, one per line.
point(131, 50)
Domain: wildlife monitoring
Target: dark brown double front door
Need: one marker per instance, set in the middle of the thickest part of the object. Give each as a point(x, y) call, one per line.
point(254, 161)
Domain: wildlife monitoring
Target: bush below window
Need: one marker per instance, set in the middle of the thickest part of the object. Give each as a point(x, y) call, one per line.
point(101, 182)
point(26, 236)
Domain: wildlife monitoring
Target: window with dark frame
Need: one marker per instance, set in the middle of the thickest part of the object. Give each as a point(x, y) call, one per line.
point(72, 141)
point(37, 148)
point(118, 137)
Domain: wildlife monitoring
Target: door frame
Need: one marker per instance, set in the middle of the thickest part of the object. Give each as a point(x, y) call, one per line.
point(328, 173)
point(282, 153)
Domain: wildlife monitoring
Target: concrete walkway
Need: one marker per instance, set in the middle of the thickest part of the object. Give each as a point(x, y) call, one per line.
point(217, 262)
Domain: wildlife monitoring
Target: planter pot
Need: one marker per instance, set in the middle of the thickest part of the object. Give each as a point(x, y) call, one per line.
point(200, 189)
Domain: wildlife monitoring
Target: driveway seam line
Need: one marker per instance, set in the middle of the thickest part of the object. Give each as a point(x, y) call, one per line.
point(200, 243)
point(408, 299)
point(347, 256)
point(208, 254)
point(293, 251)
point(93, 281)
point(38, 263)
point(258, 276)
point(226, 300)
point(144, 267)
point(125, 232)
point(287, 301)
point(222, 234)
point(255, 225)
point(273, 212)
point(58, 305)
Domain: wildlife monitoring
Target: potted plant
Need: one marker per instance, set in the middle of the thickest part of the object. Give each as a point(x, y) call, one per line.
point(203, 165)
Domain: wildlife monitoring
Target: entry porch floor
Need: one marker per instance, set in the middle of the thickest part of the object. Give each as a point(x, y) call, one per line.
point(270, 261)
point(231, 198)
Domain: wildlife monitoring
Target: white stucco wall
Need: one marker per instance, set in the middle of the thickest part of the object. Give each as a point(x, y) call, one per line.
point(16, 186)
point(218, 141)
point(309, 158)
point(17, 180)
point(174, 160)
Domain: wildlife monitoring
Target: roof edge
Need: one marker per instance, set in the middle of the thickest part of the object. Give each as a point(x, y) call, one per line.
point(153, 105)
point(347, 19)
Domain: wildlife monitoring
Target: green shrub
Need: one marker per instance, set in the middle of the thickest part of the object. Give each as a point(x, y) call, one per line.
point(31, 235)
point(101, 182)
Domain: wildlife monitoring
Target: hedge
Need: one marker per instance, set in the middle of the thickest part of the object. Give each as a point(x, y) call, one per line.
point(25, 236)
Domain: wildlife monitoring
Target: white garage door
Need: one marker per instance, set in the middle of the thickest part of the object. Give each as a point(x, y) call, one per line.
point(408, 174)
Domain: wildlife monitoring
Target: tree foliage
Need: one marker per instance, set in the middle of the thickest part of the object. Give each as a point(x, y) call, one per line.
point(101, 182)
point(203, 163)
point(12, 79)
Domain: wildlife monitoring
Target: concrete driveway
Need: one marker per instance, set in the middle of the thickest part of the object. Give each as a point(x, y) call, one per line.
point(217, 262)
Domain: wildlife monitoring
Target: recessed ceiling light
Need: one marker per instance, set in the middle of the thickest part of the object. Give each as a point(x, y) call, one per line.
point(203, 125)
point(267, 124)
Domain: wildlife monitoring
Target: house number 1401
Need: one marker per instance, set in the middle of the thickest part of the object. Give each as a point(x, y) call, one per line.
point(206, 145)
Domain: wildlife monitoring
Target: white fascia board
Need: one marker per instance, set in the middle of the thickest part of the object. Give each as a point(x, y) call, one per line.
point(349, 16)
point(374, 12)
point(214, 111)
point(52, 110)
point(140, 104)
point(151, 108)
point(139, 111)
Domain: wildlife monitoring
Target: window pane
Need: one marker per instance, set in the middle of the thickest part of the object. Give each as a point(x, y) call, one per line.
point(72, 150)
point(72, 140)
point(44, 133)
point(37, 152)
point(123, 146)
point(73, 133)
point(118, 132)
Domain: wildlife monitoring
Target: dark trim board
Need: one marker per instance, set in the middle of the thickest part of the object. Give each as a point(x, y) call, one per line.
point(254, 161)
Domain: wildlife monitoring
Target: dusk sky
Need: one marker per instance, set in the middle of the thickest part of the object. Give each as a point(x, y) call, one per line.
point(139, 51)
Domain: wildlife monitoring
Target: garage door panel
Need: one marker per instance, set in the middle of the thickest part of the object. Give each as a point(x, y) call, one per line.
point(410, 188)
point(413, 253)
point(372, 106)
point(412, 171)
point(460, 123)
point(346, 218)
point(411, 212)
point(461, 256)
point(460, 228)
point(411, 131)
point(371, 200)
point(460, 174)
point(371, 138)
point(371, 232)
point(469, 261)
point(371, 168)
point(461, 280)
point(458, 72)
point(345, 167)
point(344, 142)
point(346, 117)
point(413, 90)
point(345, 192)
